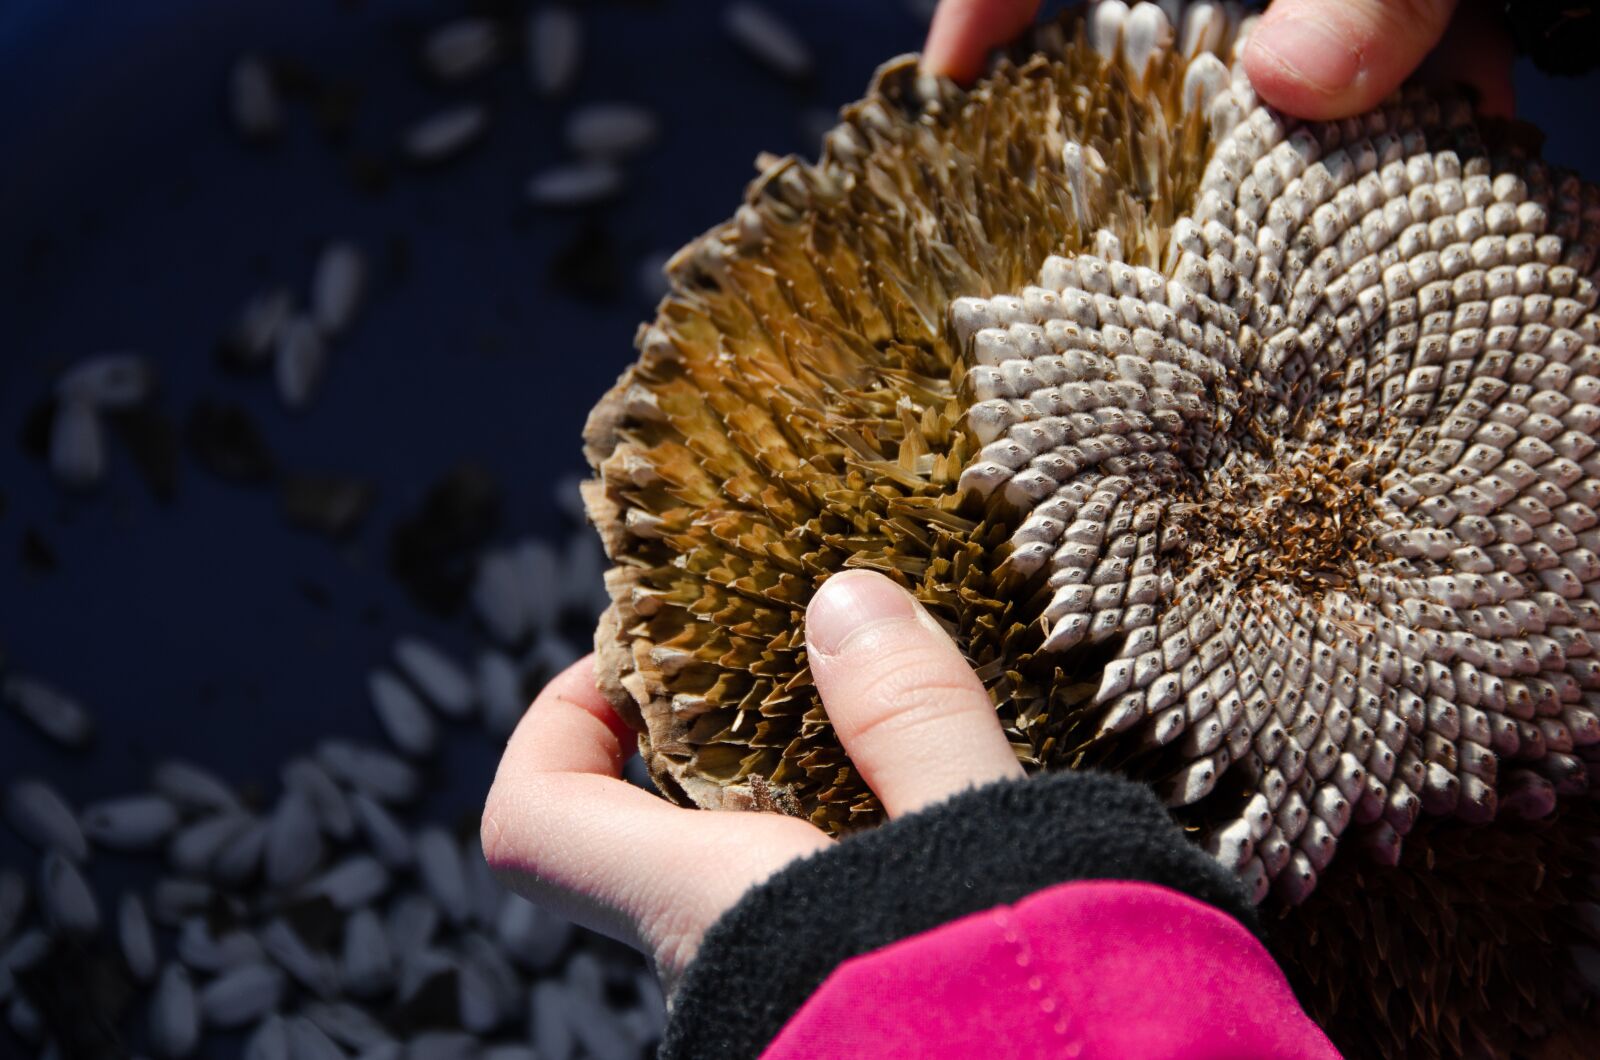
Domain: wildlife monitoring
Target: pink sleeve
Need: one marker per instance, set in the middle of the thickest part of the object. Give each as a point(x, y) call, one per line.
point(1091, 968)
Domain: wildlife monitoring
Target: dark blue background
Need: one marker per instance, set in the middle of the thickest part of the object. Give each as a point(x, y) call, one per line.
point(131, 217)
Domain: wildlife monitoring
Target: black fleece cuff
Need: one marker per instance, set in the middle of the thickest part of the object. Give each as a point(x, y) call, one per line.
point(986, 847)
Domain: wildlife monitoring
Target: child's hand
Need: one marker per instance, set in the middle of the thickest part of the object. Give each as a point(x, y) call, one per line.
point(562, 828)
point(1316, 59)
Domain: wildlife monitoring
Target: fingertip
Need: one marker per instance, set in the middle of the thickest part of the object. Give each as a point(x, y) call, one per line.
point(1303, 68)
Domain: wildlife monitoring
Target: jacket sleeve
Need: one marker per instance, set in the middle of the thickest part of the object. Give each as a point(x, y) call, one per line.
point(1024, 918)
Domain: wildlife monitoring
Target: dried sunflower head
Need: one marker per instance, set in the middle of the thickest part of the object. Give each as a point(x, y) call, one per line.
point(1250, 457)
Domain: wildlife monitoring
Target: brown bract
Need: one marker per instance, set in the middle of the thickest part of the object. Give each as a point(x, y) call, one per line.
point(1249, 458)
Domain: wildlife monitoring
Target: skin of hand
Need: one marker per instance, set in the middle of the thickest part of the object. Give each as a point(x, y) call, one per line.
point(1315, 59)
point(562, 828)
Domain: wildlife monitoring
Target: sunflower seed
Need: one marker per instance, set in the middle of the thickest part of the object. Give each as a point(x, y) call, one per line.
point(240, 856)
point(442, 1045)
point(500, 689)
point(531, 935)
point(508, 1052)
point(77, 444)
point(483, 890)
point(495, 597)
point(461, 48)
point(347, 1024)
point(475, 1000)
point(499, 982)
point(444, 683)
point(444, 134)
point(425, 969)
point(375, 772)
point(611, 131)
point(13, 897)
point(269, 1041)
point(327, 801)
point(307, 1041)
point(443, 875)
point(253, 98)
point(549, 1025)
point(174, 1014)
point(137, 822)
point(69, 905)
point(294, 844)
point(768, 39)
point(598, 1031)
point(413, 919)
point(315, 971)
point(555, 48)
point(299, 361)
point(338, 284)
point(199, 949)
point(48, 709)
point(255, 334)
point(24, 1019)
point(196, 846)
point(352, 883)
point(387, 840)
point(579, 184)
point(368, 964)
point(40, 815)
point(26, 950)
point(193, 788)
point(108, 381)
point(402, 715)
point(136, 938)
point(173, 899)
point(242, 995)
point(584, 975)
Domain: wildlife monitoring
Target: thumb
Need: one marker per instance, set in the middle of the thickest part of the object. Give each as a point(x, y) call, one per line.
point(1324, 59)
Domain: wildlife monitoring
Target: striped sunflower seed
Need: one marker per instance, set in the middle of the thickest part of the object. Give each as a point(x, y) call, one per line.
point(174, 1021)
point(135, 822)
point(444, 134)
point(554, 48)
point(136, 938)
point(243, 994)
point(441, 680)
point(402, 715)
point(77, 445)
point(48, 709)
point(768, 39)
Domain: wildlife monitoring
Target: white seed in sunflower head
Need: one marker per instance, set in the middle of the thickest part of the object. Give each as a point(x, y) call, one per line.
point(300, 360)
point(269, 1041)
point(402, 715)
point(40, 815)
point(554, 48)
point(77, 445)
point(192, 788)
point(338, 285)
point(107, 381)
point(611, 130)
point(354, 882)
point(174, 1020)
point(253, 98)
point(307, 1041)
point(439, 677)
point(368, 966)
point(243, 994)
point(195, 847)
point(48, 709)
point(387, 840)
point(461, 48)
point(136, 822)
point(444, 134)
point(578, 184)
point(767, 38)
point(294, 842)
point(440, 865)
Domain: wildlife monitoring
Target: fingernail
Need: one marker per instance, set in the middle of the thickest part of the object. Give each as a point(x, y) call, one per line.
point(1312, 52)
point(849, 601)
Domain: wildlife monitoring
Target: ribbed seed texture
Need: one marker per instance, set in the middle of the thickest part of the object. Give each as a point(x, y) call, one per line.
point(1249, 457)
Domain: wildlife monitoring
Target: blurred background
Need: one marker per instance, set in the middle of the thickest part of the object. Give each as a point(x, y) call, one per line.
point(303, 308)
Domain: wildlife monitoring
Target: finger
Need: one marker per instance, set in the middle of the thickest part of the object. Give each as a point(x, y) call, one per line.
point(1324, 59)
point(910, 712)
point(1477, 51)
point(964, 31)
point(560, 827)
